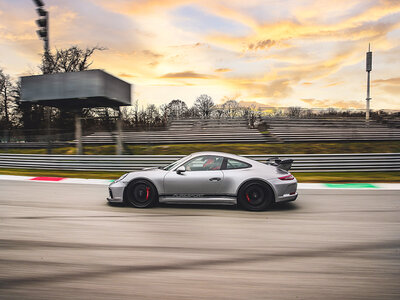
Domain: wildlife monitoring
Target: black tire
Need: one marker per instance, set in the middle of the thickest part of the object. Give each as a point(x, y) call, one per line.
point(255, 196)
point(141, 194)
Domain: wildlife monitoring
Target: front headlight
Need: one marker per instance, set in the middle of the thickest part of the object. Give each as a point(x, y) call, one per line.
point(121, 178)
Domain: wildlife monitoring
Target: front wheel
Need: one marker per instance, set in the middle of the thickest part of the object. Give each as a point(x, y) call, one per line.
point(141, 194)
point(255, 196)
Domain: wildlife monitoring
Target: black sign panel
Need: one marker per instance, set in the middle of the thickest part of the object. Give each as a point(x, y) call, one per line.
point(369, 61)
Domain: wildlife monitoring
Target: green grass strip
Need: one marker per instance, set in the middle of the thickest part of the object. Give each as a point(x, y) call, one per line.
point(235, 148)
point(323, 177)
point(351, 185)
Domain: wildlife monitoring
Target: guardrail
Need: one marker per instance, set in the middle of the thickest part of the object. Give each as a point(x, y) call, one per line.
point(302, 162)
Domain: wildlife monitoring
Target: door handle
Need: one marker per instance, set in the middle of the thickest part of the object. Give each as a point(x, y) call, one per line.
point(215, 179)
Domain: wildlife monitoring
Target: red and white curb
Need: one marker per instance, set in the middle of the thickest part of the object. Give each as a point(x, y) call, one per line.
point(56, 179)
point(301, 186)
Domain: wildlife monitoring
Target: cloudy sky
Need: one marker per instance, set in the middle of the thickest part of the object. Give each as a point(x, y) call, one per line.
point(308, 53)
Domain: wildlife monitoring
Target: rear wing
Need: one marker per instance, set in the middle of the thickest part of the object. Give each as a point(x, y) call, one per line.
point(284, 164)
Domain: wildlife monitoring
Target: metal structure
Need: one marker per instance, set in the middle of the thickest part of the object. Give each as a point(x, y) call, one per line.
point(302, 162)
point(72, 91)
point(368, 69)
point(83, 89)
point(77, 90)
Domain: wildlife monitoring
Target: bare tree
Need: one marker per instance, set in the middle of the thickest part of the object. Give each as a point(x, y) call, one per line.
point(151, 114)
point(136, 110)
point(176, 109)
point(294, 111)
point(219, 111)
point(204, 105)
point(231, 108)
point(251, 114)
point(72, 59)
point(7, 99)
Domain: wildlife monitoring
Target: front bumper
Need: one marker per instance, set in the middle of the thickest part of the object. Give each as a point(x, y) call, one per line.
point(116, 192)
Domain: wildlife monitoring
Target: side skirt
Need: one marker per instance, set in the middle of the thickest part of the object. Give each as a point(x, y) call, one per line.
point(229, 200)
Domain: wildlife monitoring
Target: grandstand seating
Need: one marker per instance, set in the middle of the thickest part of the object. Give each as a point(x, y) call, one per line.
point(187, 131)
point(237, 131)
point(329, 129)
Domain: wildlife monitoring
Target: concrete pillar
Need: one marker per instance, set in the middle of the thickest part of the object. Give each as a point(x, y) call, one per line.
point(48, 129)
point(78, 134)
point(119, 148)
point(368, 99)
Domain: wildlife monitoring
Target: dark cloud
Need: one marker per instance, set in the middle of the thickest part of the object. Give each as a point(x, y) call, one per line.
point(276, 89)
point(279, 88)
point(126, 75)
point(187, 74)
point(222, 70)
point(390, 85)
point(395, 80)
point(260, 45)
point(151, 54)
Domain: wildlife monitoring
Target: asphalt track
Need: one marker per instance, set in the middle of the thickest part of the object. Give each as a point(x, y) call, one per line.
point(62, 241)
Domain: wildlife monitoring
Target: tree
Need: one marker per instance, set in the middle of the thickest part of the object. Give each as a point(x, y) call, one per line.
point(176, 109)
point(151, 114)
point(72, 59)
point(251, 114)
point(294, 111)
point(4, 87)
point(204, 104)
point(231, 108)
point(136, 111)
point(8, 104)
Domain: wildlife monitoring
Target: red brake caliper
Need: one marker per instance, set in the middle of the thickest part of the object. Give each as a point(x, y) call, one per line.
point(248, 198)
point(147, 193)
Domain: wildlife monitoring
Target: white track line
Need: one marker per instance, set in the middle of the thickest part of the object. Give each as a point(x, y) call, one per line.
point(301, 186)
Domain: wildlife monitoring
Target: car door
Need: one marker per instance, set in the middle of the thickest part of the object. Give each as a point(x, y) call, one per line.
point(202, 176)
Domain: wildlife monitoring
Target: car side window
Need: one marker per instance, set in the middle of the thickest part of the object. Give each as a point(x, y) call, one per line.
point(236, 164)
point(204, 163)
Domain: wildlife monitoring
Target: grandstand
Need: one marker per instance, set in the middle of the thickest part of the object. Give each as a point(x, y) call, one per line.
point(187, 131)
point(329, 129)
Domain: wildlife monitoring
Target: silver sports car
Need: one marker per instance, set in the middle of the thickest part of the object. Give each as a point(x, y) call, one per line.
point(208, 177)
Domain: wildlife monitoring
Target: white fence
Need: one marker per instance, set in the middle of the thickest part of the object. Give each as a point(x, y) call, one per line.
point(302, 162)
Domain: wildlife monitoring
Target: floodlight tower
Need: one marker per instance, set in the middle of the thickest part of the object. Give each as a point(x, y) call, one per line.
point(369, 69)
point(43, 23)
point(43, 32)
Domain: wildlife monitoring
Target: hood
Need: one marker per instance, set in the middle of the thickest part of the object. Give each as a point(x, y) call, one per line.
point(150, 169)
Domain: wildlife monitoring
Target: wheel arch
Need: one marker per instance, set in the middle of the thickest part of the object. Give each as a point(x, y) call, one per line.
point(257, 179)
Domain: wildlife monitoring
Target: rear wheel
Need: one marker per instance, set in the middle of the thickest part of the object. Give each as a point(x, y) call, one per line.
point(141, 194)
point(255, 196)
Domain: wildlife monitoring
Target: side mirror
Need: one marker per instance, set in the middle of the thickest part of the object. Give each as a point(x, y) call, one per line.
point(181, 170)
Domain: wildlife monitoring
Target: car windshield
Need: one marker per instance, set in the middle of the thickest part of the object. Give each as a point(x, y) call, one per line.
point(171, 166)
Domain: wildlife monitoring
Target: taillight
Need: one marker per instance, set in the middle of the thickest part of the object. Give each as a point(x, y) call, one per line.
point(287, 177)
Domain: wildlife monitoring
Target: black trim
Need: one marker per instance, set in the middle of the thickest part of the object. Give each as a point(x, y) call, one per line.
point(199, 195)
point(225, 164)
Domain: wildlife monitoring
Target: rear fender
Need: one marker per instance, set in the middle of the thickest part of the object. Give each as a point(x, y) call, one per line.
point(261, 180)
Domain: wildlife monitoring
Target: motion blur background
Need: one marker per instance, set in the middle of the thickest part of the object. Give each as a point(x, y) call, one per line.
point(256, 78)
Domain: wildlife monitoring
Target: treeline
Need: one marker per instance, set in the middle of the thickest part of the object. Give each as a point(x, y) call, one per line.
point(32, 118)
point(17, 116)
